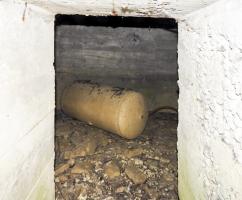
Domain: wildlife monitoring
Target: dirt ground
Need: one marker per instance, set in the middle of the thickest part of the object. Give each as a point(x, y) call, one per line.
point(94, 164)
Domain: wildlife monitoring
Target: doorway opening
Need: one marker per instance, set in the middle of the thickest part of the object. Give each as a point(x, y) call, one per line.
point(136, 53)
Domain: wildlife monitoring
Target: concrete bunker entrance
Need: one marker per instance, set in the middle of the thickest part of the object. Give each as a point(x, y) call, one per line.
point(209, 131)
point(120, 52)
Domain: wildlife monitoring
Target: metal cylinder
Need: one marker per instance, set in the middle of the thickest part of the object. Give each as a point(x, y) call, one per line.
point(120, 111)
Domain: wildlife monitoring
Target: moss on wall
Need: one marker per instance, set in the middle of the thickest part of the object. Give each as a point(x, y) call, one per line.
point(184, 187)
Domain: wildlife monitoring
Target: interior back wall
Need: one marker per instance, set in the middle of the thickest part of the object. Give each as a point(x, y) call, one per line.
point(138, 58)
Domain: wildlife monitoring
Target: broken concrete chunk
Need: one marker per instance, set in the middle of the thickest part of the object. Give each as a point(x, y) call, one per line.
point(82, 168)
point(168, 177)
point(62, 178)
point(71, 162)
point(120, 189)
point(111, 170)
point(135, 174)
point(61, 168)
point(102, 139)
point(130, 153)
point(154, 194)
point(88, 147)
point(67, 155)
point(63, 130)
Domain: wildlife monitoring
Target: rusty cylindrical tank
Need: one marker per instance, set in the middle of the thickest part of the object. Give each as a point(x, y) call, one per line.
point(117, 110)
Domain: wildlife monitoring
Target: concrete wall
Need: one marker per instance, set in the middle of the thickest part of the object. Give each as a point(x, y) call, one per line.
point(210, 102)
point(154, 8)
point(137, 58)
point(26, 103)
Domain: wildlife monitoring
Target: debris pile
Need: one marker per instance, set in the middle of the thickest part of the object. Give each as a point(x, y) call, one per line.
point(93, 164)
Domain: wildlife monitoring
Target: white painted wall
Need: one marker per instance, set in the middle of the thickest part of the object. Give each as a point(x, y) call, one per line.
point(154, 8)
point(210, 103)
point(26, 102)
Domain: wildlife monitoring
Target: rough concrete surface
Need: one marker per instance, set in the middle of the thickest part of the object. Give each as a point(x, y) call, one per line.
point(210, 102)
point(27, 100)
point(142, 59)
point(155, 8)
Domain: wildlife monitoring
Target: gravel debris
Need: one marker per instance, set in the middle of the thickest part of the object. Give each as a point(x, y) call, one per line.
point(93, 164)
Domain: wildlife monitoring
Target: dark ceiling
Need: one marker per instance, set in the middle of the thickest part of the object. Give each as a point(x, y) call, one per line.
point(116, 21)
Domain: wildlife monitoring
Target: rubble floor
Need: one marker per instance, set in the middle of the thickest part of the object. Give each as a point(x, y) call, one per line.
point(93, 164)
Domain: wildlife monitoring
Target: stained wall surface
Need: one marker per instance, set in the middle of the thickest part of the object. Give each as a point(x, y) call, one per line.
point(148, 8)
point(210, 102)
point(26, 103)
